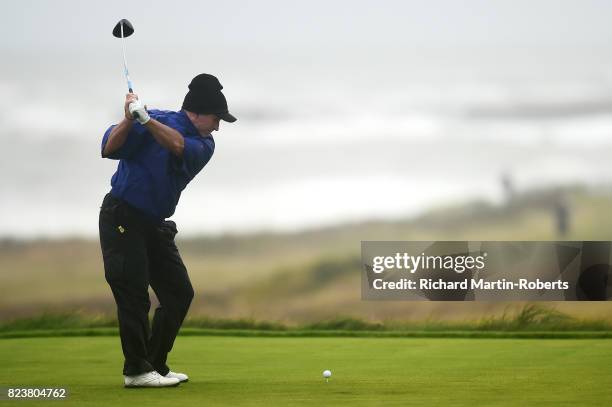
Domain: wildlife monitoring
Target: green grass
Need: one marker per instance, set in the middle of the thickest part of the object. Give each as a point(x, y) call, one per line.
point(287, 371)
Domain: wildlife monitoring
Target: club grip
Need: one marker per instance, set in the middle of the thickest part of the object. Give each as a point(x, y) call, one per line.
point(135, 114)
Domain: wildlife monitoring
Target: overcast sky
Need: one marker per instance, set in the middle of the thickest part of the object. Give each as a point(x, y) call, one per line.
point(406, 72)
point(35, 25)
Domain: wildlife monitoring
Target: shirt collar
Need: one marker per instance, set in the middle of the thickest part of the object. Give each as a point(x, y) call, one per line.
point(190, 129)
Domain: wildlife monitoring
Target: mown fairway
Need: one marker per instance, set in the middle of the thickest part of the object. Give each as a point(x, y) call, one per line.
point(286, 371)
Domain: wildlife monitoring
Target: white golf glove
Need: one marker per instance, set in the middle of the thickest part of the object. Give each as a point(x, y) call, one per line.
point(139, 112)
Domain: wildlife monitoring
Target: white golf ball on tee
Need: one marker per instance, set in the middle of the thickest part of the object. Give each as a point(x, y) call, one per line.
point(327, 374)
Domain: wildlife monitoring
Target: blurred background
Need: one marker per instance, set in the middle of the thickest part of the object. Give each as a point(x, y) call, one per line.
point(483, 120)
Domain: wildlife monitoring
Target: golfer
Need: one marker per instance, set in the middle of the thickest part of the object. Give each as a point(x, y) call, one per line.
point(159, 153)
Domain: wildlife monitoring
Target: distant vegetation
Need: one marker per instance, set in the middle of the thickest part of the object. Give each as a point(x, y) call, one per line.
point(301, 279)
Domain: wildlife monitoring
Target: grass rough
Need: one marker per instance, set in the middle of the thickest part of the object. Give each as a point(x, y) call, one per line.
point(532, 318)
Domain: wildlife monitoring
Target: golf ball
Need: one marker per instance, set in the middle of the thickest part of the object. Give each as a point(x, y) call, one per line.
point(327, 373)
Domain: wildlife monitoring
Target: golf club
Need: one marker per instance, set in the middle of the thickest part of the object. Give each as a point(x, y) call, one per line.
point(122, 30)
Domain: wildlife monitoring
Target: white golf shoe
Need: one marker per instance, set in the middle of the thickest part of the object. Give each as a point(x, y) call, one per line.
point(181, 376)
point(150, 379)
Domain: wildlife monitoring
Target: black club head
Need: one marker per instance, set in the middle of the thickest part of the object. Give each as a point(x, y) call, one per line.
point(128, 29)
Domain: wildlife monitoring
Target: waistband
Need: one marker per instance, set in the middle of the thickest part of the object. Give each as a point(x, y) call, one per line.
point(134, 213)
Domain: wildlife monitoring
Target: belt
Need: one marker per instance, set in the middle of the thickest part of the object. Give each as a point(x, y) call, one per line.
point(124, 212)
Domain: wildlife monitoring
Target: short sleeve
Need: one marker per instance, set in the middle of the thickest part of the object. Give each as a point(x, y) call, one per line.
point(196, 154)
point(134, 140)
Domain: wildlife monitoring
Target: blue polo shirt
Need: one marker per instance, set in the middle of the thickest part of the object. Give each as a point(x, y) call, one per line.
point(148, 176)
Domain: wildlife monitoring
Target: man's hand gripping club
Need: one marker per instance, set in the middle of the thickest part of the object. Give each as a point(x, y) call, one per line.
point(134, 109)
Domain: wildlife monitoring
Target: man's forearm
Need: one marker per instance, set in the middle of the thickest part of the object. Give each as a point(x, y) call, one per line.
point(167, 137)
point(117, 136)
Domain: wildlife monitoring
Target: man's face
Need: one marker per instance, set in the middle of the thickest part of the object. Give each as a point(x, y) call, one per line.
point(206, 123)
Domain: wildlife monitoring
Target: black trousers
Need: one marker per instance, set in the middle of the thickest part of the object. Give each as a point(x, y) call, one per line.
point(138, 253)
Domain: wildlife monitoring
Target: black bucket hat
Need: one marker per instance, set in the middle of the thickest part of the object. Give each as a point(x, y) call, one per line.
point(205, 97)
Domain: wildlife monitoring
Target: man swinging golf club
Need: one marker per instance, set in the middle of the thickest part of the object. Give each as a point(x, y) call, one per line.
point(160, 152)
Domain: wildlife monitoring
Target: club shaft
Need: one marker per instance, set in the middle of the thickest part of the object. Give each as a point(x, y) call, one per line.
point(125, 68)
point(125, 65)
